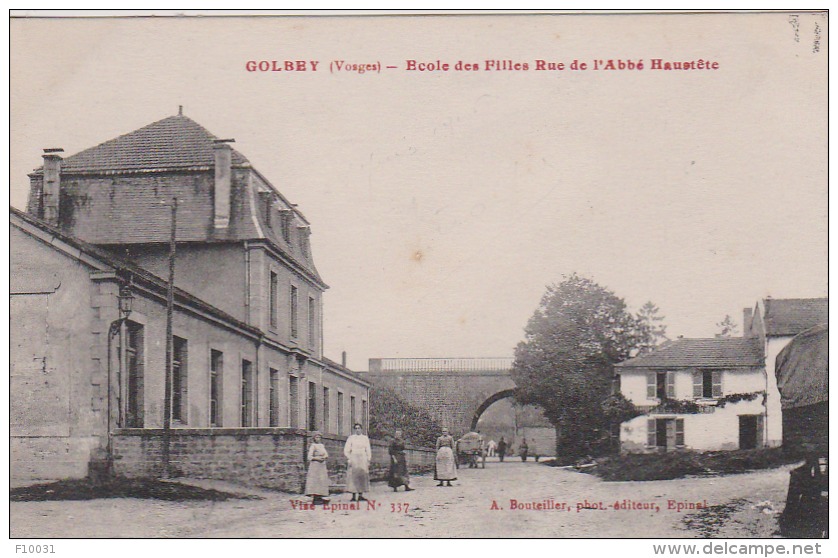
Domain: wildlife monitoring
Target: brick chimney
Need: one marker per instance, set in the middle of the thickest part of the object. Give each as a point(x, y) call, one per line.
point(52, 184)
point(747, 317)
point(223, 169)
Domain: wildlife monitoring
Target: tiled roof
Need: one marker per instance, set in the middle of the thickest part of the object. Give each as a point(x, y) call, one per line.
point(703, 353)
point(790, 316)
point(176, 142)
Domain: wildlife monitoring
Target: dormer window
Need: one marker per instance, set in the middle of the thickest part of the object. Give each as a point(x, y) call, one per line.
point(303, 240)
point(286, 216)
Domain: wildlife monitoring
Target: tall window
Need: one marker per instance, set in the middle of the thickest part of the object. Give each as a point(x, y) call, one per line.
point(340, 414)
point(326, 409)
point(274, 295)
point(274, 398)
point(247, 393)
point(312, 321)
point(135, 376)
point(352, 419)
point(216, 375)
point(294, 401)
point(179, 377)
point(364, 417)
point(294, 329)
point(707, 383)
point(312, 406)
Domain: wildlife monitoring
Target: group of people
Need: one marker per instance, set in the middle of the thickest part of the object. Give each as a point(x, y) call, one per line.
point(501, 448)
point(358, 457)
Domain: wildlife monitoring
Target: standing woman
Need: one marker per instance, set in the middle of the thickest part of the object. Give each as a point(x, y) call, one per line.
point(358, 454)
point(445, 464)
point(317, 479)
point(398, 464)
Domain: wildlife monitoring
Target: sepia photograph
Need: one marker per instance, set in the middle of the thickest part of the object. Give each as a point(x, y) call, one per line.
point(420, 275)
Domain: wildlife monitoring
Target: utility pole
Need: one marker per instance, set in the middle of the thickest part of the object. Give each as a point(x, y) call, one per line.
point(170, 303)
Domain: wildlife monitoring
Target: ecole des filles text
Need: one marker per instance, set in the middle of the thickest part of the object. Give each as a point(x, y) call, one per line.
point(493, 65)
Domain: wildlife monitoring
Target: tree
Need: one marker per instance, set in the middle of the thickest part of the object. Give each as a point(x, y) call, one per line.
point(389, 412)
point(651, 328)
point(565, 364)
point(727, 327)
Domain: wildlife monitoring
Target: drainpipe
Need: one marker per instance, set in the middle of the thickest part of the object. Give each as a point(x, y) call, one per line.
point(247, 283)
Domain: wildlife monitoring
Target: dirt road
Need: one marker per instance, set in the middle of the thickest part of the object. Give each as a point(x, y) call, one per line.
point(512, 499)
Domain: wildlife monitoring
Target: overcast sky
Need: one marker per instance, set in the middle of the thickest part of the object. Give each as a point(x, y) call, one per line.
point(443, 203)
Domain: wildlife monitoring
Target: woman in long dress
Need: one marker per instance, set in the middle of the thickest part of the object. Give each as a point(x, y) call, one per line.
point(398, 475)
point(317, 479)
point(358, 455)
point(445, 470)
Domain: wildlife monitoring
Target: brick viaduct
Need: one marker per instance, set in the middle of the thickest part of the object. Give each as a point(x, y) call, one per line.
point(456, 391)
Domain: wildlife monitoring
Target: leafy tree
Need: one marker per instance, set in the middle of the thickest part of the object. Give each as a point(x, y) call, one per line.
point(565, 364)
point(389, 412)
point(651, 328)
point(727, 327)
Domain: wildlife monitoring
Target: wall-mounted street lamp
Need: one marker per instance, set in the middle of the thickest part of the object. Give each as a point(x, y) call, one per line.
point(126, 302)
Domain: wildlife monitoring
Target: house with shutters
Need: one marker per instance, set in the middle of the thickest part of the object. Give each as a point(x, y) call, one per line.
point(718, 393)
point(242, 251)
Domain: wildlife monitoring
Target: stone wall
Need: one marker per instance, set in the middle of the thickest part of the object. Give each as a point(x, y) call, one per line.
point(265, 457)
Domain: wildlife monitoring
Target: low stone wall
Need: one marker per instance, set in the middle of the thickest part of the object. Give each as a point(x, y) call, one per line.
point(273, 458)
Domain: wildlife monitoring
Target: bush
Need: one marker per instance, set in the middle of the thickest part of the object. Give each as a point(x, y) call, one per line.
point(389, 412)
point(679, 464)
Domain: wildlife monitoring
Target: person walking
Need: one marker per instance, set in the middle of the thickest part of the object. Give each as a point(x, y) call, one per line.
point(358, 454)
point(501, 448)
point(398, 475)
point(534, 450)
point(491, 447)
point(523, 449)
point(317, 478)
point(445, 466)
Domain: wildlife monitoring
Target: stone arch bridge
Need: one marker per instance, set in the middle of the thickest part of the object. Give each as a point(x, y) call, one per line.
point(455, 391)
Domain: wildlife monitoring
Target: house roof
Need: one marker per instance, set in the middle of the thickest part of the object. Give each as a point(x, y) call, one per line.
point(717, 352)
point(144, 169)
point(174, 143)
point(790, 316)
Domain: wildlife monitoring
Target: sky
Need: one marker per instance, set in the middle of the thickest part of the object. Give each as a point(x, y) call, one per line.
point(442, 203)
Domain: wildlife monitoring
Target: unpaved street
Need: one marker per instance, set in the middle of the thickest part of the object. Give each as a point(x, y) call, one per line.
point(464, 510)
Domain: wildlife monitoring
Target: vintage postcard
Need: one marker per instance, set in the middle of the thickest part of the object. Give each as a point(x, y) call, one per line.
point(464, 275)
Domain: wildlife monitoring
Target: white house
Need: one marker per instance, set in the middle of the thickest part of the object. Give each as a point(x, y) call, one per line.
point(718, 393)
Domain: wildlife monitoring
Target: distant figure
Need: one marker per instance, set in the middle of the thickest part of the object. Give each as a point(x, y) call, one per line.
point(501, 448)
point(491, 447)
point(358, 454)
point(317, 479)
point(523, 449)
point(444, 471)
point(398, 464)
point(534, 451)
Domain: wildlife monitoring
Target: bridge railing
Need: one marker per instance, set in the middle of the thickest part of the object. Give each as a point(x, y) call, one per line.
point(483, 364)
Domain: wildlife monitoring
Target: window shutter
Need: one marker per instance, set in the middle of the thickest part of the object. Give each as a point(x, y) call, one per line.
point(652, 438)
point(651, 385)
point(717, 383)
point(679, 432)
point(670, 384)
point(698, 383)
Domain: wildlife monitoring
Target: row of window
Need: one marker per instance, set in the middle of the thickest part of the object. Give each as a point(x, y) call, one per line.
point(134, 387)
point(706, 384)
point(668, 433)
point(293, 310)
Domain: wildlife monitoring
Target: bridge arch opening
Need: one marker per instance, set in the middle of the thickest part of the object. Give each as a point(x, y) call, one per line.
point(488, 403)
point(501, 416)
